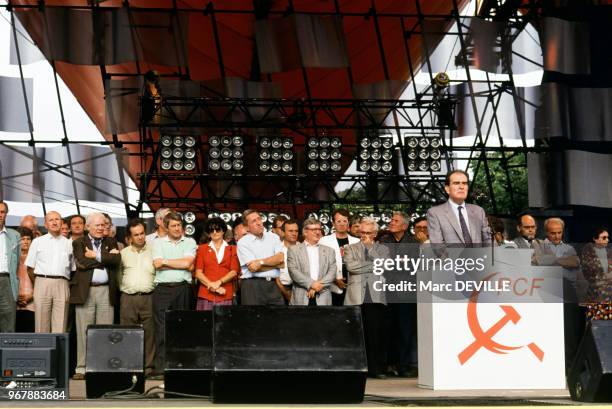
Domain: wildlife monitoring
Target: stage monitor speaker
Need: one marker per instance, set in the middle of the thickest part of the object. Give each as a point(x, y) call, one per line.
point(114, 360)
point(31, 362)
point(288, 355)
point(590, 378)
point(188, 359)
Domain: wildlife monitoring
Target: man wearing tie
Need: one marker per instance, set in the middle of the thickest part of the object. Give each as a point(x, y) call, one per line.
point(312, 267)
point(457, 222)
point(94, 287)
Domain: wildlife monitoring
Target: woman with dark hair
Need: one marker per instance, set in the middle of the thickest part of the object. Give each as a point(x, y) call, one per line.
point(216, 267)
point(596, 263)
point(25, 302)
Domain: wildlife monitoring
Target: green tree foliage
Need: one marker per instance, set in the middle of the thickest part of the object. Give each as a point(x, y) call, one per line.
point(502, 191)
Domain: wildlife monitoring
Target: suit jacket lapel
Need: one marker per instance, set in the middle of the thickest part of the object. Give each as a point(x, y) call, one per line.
point(305, 256)
point(474, 229)
point(321, 263)
point(452, 219)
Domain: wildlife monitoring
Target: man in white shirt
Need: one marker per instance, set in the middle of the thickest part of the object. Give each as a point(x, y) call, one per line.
point(49, 262)
point(290, 234)
point(337, 241)
point(312, 267)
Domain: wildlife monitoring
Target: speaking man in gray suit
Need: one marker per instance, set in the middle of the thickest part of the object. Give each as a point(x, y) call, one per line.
point(457, 222)
point(312, 267)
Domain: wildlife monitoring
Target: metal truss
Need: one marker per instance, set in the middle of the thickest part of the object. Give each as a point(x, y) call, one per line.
point(209, 191)
point(309, 115)
point(232, 113)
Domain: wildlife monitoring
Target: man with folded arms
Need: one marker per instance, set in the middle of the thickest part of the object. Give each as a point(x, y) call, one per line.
point(261, 255)
point(173, 257)
point(49, 261)
point(94, 287)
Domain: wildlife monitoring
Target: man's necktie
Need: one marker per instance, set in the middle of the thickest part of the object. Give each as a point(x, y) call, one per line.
point(97, 243)
point(366, 252)
point(467, 239)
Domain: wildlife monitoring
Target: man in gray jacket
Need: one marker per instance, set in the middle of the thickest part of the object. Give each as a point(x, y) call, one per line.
point(312, 267)
point(361, 290)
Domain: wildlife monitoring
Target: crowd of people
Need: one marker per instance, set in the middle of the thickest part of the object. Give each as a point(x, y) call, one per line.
point(79, 263)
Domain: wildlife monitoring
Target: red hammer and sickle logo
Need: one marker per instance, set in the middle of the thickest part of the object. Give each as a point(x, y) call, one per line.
point(485, 338)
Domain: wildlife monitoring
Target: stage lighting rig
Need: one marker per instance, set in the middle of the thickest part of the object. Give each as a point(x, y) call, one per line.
point(178, 152)
point(226, 153)
point(275, 155)
point(375, 154)
point(423, 153)
point(324, 154)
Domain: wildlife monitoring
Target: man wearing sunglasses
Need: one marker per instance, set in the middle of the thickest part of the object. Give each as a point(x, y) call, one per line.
point(312, 267)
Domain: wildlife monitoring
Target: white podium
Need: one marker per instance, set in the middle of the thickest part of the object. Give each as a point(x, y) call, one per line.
point(489, 345)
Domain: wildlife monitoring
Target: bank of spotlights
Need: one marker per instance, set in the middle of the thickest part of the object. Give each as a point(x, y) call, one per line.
point(275, 155)
point(324, 154)
point(375, 154)
point(423, 153)
point(178, 153)
point(226, 153)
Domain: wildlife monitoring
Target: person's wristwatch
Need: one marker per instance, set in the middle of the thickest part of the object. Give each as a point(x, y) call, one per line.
point(261, 262)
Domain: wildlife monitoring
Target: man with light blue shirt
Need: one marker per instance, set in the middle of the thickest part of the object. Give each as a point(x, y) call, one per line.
point(261, 255)
point(173, 257)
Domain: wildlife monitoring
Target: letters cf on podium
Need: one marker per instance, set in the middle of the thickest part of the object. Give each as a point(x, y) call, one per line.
point(483, 344)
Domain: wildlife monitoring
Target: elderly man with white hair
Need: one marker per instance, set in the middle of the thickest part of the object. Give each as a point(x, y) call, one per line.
point(94, 288)
point(361, 290)
point(48, 262)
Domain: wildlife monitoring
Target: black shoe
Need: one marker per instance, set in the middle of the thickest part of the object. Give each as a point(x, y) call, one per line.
point(380, 376)
point(408, 373)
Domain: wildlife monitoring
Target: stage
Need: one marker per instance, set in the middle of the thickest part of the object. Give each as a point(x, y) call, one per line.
point(388, 392)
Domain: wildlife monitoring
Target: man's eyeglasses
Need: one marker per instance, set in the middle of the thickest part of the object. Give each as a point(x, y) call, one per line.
point(213, 229)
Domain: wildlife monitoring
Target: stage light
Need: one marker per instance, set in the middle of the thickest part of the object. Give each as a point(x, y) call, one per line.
point(190, 141)
point(190, 153)
point(189, 165)
point(227, 148)
point(166, 153)
point(189, 230)
point(423, 153)
point(166, 164)
point(189, 217)
point(324, 154)
point(275, 154)
point(178, 152)
point(375, 154)
point(214, 164)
